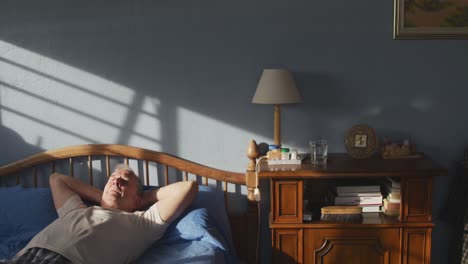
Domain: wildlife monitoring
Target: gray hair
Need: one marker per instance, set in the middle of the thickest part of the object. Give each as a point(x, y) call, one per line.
point(125, 167)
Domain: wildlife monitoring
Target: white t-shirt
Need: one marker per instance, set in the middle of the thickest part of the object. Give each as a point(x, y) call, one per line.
point(87, 235)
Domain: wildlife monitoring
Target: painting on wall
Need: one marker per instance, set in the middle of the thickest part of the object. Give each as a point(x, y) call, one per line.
point(430, 19)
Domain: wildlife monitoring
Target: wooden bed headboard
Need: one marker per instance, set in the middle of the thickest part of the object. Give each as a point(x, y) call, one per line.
point(244, 225)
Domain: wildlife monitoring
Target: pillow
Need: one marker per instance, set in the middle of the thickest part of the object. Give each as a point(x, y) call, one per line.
point(32, 208)
point(213, 200)
point(23, 213)
point(194, 225)
point(192, 236)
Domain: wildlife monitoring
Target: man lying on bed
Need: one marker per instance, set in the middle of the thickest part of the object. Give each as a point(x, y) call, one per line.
point(114, 232)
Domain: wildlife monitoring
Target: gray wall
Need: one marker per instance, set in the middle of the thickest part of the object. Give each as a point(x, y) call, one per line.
point(178, 76)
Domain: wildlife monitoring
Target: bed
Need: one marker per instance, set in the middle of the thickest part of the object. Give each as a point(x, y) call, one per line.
point(221, 226)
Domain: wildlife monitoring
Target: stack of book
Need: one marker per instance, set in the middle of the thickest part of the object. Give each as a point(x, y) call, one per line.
point(392, 199)
point(368, 197)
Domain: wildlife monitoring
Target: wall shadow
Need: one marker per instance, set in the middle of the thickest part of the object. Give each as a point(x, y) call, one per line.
point(14, 147)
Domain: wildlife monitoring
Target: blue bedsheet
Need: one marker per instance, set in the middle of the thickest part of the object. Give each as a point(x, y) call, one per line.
point(200, 235)
point(183, 252)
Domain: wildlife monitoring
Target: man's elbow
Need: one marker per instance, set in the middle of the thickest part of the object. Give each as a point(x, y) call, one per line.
point(191, 189)
point(55, 178)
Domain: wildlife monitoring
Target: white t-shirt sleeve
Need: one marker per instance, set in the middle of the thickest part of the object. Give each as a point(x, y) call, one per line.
point(152, 214)
point(72, 203)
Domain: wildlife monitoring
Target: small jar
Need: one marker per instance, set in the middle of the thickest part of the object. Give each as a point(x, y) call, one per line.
point(274, 152)
point(284, 153)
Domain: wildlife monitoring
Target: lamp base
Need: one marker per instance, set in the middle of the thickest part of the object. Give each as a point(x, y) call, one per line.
point(277, 125)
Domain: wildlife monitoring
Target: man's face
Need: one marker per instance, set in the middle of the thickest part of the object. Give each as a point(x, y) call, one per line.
point(121, 191)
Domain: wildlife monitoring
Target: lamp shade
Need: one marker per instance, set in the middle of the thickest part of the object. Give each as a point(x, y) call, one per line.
point(276, 86)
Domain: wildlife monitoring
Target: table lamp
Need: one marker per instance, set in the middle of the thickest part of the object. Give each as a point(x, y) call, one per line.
point(276, 87)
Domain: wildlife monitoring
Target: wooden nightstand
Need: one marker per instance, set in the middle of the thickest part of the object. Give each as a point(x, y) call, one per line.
point(378, 239)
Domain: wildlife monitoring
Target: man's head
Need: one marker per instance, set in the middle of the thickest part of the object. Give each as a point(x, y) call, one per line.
point(123, 190)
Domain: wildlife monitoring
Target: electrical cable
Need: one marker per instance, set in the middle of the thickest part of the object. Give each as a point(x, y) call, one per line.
point(257, 190)
point(257, 199)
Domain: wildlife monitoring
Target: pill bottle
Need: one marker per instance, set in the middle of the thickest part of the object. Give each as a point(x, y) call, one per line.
point(272, 147)
point(274, 152)
point(284, 153)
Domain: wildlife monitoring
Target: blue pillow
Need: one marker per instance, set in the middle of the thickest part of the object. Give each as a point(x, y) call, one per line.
point(194, 225)
point(213, 200)
point(27, 207)
point(23, 213)
point(192, 236)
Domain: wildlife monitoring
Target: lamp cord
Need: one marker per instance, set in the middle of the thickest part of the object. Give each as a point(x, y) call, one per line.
point(257, 170)
point(257, 198)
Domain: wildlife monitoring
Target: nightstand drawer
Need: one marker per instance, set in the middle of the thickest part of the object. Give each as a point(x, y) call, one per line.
point(352, 245)
point(287, 201)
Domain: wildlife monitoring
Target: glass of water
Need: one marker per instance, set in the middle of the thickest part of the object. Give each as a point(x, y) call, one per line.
point(318, 152)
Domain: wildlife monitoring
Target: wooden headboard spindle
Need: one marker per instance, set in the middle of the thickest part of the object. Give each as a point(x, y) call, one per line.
point(35, 177)
point(185, 176)
point(17, 177)
point(108, 169)
point(147, 172)
point(166, 175)
point(90, 169)
point(70, 161)
point(225, 191)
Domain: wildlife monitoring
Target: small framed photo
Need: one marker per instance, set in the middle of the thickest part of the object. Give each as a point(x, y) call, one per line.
point(361, 141)
point(430, 19)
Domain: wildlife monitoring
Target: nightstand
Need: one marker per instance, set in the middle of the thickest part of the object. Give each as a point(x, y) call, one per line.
point(377, 239)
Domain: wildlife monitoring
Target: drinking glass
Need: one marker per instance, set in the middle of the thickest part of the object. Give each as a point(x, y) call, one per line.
point(318, 152)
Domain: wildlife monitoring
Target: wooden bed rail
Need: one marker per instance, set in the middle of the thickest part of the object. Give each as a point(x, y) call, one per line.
point(129, 152)
point(122, 151)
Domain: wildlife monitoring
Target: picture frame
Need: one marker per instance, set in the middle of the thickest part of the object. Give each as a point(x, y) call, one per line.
point(361, 141)
point(430, 19)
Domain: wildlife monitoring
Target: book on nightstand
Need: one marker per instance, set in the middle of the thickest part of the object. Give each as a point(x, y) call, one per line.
point(359, 200)
point(371, 209)
point(392, 186)
point(390, 208)
point(341, 190)
point(368, 197)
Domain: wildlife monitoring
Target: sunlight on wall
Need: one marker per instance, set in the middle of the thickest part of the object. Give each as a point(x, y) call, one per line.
point(205, 139)
point(147, 125)
point(52, 104)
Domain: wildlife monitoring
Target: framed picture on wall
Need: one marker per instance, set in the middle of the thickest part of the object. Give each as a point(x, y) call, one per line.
point(430, 19)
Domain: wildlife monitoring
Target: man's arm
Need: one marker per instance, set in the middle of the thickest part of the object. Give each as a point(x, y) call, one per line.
point(172, 199)
point(63, 187)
